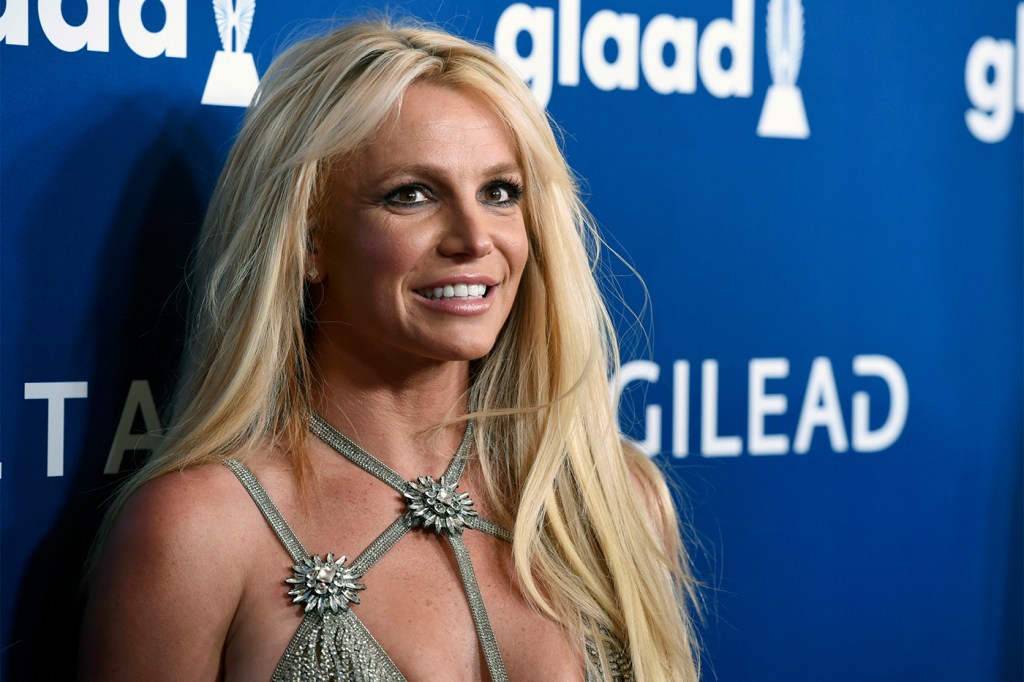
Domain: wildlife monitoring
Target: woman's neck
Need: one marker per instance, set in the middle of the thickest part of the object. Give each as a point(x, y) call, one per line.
point(393, 411)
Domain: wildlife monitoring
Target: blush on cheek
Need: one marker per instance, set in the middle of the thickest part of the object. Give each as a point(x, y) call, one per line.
point(523, 272)
point(519, 253)
point(381, 251)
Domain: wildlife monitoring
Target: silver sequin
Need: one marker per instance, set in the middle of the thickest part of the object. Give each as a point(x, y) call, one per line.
point(438, 504)
point(324, 584)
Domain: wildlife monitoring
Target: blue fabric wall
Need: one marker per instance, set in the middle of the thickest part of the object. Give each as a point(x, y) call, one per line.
point(825, 203)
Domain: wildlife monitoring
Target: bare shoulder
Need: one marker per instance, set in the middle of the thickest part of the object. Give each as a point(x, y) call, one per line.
point(184, 517)
point(169, 579)
point(651, 488)
point(647, 479)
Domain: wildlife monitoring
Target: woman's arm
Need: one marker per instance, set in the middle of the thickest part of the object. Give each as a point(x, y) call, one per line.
point(168, 583)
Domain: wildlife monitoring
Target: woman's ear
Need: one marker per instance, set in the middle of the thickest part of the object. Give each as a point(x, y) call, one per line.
point(314, 266)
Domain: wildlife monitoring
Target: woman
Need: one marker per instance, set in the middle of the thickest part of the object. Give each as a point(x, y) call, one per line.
point(395, 251)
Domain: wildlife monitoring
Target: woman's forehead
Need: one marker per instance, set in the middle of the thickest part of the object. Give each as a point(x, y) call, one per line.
point(439, 126)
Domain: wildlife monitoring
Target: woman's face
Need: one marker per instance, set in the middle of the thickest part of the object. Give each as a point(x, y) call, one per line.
point(424, 241)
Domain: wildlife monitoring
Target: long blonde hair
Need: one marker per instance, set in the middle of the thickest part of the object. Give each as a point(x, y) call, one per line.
point(587, 552)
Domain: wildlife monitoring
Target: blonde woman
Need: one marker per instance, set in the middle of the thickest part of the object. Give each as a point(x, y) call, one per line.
point(393, 453)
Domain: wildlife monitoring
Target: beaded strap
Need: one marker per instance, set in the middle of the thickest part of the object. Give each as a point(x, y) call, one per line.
point(476, 606)
point(355, 454)
point(270, 511)
point(379, 547)
point(424, 506)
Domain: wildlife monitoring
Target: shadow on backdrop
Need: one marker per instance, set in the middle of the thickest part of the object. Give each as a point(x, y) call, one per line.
point(136, 326)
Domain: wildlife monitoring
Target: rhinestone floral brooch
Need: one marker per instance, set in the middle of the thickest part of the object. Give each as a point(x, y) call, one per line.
point(437, 504)
point(324, 584)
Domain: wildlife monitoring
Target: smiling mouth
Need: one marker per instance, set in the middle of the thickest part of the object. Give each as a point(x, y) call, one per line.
point(454, 292)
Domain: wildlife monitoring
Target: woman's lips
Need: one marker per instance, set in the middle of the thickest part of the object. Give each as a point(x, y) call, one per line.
point(457, 298)
point(458, 291)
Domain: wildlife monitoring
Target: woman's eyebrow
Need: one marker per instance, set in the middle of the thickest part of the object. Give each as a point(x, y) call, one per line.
point(506, 168)
point(438, 171)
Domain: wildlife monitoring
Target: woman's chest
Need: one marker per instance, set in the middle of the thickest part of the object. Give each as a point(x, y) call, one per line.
point(415, 606)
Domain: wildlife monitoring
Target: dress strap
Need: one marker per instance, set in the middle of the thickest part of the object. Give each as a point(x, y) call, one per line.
point(379, 547)
point(495, 664)
point(376, 468)
point(270, 512)
point(490, 527)
point(430, 504)
point(361, 458)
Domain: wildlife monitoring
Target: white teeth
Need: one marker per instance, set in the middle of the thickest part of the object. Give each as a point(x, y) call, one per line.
point(456, 291)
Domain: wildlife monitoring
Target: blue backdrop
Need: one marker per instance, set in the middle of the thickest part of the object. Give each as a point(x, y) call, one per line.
point(825, 201)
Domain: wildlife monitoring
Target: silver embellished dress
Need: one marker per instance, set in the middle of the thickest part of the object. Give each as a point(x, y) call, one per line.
point(331, 642)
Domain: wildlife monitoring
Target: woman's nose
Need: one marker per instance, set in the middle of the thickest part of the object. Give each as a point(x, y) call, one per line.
point(467, 231)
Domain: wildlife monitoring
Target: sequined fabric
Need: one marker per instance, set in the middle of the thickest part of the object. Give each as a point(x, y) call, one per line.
point(620, 665)
point(335, 647)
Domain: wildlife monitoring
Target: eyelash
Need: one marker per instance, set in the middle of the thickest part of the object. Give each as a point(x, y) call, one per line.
point(513, 187)
point(510, 185)
point(390, 197)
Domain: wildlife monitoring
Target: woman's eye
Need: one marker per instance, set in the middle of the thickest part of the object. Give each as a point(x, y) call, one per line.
point(407, 196)
point(497, 194)
point(502, 193)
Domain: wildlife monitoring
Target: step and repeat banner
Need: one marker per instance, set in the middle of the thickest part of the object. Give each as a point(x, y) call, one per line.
point(823, 200)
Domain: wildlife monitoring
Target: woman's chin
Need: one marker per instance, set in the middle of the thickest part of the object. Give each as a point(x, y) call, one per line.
point(464, 352)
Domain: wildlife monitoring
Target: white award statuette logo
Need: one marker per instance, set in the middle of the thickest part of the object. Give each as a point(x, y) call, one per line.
point(783, 113)
point(233, 79)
